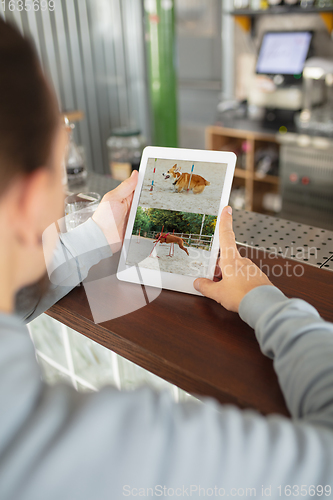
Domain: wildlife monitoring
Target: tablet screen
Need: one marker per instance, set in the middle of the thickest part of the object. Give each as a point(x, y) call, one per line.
point(176, 216)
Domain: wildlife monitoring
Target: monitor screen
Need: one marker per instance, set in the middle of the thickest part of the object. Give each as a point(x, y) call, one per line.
point(283, 53)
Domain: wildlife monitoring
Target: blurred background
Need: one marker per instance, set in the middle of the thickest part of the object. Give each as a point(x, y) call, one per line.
point(250, 76)
point(130, 73)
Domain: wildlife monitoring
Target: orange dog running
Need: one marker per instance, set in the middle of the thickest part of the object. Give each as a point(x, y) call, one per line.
point(171, 238)
point(181, 181)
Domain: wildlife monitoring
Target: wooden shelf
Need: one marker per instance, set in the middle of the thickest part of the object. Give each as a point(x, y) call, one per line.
point(279, 9)
point(240, 134)
point(242, 174)
point(270, 179)
point(246, 17)
point(226, 138)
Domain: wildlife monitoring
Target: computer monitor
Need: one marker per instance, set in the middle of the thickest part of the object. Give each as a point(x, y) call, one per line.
point(283, 52)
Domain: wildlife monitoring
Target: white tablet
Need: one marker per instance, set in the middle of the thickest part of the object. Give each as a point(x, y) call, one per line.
point(172, 232)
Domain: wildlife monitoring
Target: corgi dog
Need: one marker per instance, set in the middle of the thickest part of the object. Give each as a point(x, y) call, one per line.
point(181, 180)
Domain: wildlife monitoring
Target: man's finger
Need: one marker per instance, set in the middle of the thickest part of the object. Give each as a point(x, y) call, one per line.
point(129, 201)
point(228, 248)
point(208, 288)
point(127, 187)
point(217, 273)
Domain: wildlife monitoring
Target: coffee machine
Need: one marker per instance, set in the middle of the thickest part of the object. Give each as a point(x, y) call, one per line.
point(278, 85)
point(317, 119)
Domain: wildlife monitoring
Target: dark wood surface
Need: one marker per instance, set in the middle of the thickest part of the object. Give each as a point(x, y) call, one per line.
point(188, 340)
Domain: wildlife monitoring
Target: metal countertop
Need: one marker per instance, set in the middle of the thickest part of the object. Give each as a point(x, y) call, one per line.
point(307, 244)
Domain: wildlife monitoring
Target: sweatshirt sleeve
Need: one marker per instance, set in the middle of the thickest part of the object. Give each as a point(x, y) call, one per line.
point(114, 444)
point(291, 332)
point(76, 252)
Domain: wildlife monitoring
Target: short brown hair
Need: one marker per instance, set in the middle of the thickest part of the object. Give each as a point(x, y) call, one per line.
point(29, 114)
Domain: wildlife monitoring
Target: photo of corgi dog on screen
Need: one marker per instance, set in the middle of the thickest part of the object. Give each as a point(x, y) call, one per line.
point(185, 181)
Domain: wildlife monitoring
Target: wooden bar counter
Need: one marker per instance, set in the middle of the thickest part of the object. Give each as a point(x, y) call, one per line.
point(192, 341)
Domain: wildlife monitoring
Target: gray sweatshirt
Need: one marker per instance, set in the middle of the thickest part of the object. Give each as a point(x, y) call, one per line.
point(57, 444)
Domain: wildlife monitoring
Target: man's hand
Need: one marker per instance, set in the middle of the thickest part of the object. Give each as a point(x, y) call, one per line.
point(239, 274)
point(119, 200)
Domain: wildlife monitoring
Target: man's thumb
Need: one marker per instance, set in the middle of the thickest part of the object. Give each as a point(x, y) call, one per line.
point(207, 287)
point(128, 186)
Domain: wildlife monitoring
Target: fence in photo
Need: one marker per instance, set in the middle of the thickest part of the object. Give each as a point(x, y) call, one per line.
point(192, 240)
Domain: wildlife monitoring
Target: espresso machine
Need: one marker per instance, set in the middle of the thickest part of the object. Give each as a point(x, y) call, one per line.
point(317, 119)
point(277, 86)
point(306, 158)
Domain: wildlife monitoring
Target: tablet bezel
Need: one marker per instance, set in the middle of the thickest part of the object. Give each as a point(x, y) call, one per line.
point(162, 279)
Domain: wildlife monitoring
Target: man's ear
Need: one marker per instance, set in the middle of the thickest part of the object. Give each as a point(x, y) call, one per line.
point(30, 202)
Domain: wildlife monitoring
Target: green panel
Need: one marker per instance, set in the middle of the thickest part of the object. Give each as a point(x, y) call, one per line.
point(160, 41)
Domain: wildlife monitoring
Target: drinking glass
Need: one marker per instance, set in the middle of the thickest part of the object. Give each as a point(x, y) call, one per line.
point(79, 208)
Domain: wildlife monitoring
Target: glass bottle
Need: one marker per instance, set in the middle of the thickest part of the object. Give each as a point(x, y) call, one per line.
point(76, 170)
point(125, 148)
